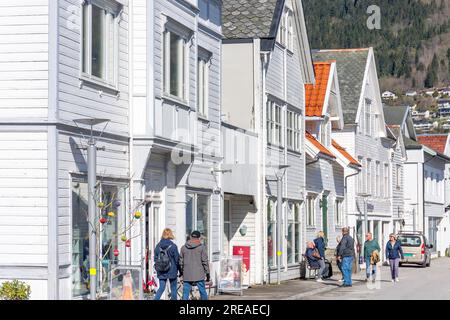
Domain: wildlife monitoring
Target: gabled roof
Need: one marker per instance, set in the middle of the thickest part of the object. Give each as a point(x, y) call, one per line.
point(395, 115)
point(320, 148)
point(351, 66)
point(315, 94)
point(352, 161)
point(251, 19)
point(437, 142)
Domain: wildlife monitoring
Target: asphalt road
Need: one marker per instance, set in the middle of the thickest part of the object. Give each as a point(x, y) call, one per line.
point(431, 283)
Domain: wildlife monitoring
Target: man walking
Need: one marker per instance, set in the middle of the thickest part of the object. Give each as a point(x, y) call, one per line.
point(194, 266)
point(346, 253)
point(371, 256)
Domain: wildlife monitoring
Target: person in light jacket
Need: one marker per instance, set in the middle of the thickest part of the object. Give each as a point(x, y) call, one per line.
point(394, 252)
point(370, 246)
point(194, 266)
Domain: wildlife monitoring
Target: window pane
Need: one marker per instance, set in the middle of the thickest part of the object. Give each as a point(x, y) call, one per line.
point(189, 215)
point(85, 37)
point(203, 6)
point(80, 240)
point(202, 217)
point(214, 13)
point(176, 65)
point(290, 242)
point(98, 40)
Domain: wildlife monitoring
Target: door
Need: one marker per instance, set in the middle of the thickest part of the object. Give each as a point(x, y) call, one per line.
point(152, 222)
point(226, 227)
point(325, 215)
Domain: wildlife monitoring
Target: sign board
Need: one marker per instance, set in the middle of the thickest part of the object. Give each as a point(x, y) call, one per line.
point(126, 283)
point(244, 252)
point(230, 274)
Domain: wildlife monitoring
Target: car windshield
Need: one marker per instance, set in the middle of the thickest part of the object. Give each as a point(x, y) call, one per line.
point(410, 241)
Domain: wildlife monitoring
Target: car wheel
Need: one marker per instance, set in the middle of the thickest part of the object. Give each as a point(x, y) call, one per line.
point(400, 264)
point(424, 263)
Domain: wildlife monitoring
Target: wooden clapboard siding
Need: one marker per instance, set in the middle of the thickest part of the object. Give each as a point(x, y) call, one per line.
point(23, 198)
point(24, 59)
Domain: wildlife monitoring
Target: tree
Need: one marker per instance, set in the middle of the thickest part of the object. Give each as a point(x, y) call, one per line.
point(432, 79)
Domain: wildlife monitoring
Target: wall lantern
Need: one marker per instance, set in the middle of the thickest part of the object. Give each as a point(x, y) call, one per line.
point(243, 230)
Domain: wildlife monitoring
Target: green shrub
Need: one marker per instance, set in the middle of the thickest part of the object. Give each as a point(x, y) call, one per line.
point(15, 290)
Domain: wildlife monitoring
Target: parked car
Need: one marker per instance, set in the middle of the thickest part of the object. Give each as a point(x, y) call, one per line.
point(416, 248)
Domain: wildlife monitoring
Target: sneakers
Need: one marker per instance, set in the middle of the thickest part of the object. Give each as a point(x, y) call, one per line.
point(392, 280)
point(341, 280)
point(397, 280)
point(319, 280)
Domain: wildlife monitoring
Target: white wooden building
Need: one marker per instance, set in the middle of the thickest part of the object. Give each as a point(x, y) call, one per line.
point(53, 70)
point(266, 63)
point(364, 136)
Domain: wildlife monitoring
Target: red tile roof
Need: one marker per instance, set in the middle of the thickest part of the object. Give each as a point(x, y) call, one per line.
point(435, 142)
point(318, 145)
point(315, 94)
point(345, 154)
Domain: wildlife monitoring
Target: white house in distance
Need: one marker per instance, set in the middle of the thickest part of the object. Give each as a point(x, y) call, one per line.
point(266, 63)
point(364, 136)
point(56, 70)
point(387, 95)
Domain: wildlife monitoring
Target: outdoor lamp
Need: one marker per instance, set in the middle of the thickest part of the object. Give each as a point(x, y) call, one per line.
point(243, 230)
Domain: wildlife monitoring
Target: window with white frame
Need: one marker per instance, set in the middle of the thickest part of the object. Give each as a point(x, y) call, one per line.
point(175, 52)
point(290, 31)
point(369, 176)
point(271, 233)
point(293, 131)
point(386, 181)
point(293, 234)
point(310, 211)
point(368, 117)
point(197, 215)
point(274, 125)
point(378, 179)
point(285, 34)
point(203, 63)
point(338, 212)
point(398, 177)
point(297, 226)
point(360, 177)
point(100, 45)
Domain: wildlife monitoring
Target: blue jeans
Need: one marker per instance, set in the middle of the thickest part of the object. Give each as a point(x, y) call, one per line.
point(368, 265)
point(347, 270)
point(187, 286)
point(162, 288)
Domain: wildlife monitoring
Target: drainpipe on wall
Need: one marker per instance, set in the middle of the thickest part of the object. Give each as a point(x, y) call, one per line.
point(345, 193)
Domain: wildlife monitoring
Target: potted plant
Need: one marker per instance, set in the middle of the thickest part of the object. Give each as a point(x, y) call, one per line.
point(15, 290)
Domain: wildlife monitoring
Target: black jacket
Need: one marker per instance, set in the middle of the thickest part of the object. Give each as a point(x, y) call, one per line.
point(346, 248)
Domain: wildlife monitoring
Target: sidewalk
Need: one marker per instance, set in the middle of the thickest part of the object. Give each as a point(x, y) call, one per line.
point(290, 290)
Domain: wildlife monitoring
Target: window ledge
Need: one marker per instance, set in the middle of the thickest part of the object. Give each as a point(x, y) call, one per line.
point(98, 84)
point(310, 227)
point(179, 102)
point(203, 118)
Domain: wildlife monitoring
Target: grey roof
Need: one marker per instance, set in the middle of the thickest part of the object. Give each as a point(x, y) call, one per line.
point(411, 144)
point(251, 19)
point(394, 132)
point(351, 66)
point(395, 115)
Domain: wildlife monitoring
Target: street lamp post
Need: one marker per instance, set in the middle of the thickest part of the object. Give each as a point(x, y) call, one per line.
point(92, 208)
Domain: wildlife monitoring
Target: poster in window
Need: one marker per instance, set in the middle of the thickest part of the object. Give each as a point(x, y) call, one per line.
point(126, 283)
point(231, 274)
point(244, 252)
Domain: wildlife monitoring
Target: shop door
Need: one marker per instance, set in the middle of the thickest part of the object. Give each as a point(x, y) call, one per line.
point(154, 232)
point(325, 215)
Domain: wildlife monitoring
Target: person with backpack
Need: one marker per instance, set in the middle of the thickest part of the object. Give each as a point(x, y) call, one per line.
point(167, 264)
point(194, 266)
point(371, 256)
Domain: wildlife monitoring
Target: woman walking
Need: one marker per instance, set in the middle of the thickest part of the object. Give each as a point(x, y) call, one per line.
point(167, 264)
point(394, 252)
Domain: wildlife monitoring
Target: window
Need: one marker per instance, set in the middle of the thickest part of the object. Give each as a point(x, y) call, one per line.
point(114, 198)
point(360, 177)
point(203, 83)
point(271, 235)
point(197, 215)
point(285, 34)
point(293, 131)
point(297, 226)
point(386, 181)
point(290, 30)
point(210, 11)
point(310, 211)
point(100, 41)
point(175, 56)
point(369, 176)
point(290, 234)
point(378, 180)
point(398, 176)
point(368, 114)
point(338, 213)
point(274, 134)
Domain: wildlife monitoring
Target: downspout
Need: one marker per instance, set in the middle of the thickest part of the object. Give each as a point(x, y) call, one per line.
point(345, 192)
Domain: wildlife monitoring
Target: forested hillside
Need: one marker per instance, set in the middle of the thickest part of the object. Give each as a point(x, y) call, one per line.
point(412, 45)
